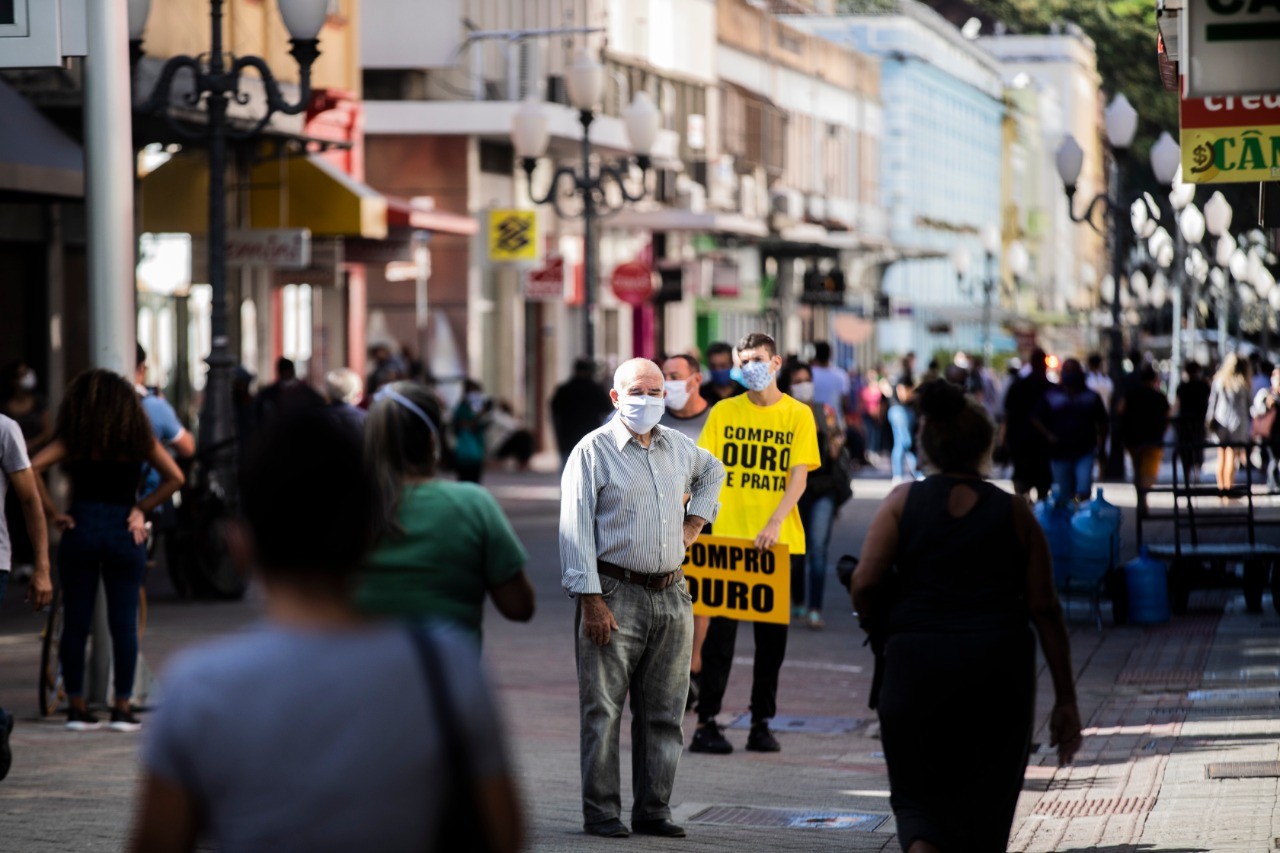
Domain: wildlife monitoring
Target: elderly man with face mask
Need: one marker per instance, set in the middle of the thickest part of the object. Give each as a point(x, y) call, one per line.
point(624, 528)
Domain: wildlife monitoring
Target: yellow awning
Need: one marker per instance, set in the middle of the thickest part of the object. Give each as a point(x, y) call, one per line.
point(290, 192)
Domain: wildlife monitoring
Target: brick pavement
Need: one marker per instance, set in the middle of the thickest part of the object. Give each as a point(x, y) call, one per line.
point(1139, 784)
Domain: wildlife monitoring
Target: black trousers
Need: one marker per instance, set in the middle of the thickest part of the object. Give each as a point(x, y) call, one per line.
point(717, 661)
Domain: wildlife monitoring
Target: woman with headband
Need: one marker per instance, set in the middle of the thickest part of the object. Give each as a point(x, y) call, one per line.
point(441, 545)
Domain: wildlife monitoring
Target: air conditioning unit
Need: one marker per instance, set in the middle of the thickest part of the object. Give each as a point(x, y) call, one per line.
point(690, 195)
point(786, 205)
point(842, 212)
point(666, 186)
point(749, 202)
point(816, 208)
point(722, 183)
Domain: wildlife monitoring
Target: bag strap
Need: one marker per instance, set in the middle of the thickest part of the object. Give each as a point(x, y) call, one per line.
point(451, 732)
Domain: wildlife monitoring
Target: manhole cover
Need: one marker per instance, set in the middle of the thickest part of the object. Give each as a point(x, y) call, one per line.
point(1243, 770)
point(805, 725)
point(788, 818)
point(1094, 808)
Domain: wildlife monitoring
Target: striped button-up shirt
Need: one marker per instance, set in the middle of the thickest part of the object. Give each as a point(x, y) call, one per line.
point(624, 503)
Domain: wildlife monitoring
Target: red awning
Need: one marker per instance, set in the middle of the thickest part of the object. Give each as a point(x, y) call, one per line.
point(411, 213)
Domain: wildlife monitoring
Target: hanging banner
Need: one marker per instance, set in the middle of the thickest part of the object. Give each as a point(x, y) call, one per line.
point(513, 235)
point(732, 578)
point(1230, 139)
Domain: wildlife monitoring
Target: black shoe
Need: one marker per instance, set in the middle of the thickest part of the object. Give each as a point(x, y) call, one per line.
point(693, 692)
point(609, 829)
point(709, 738)
point(660, 826)
point(762, 740)
point(82, 721)
point(123, 721)
point(6, 754)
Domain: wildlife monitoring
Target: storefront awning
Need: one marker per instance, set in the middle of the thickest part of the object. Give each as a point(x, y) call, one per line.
point(291, 192)
point(35, 156)
point(411, 213)
point(672, 219)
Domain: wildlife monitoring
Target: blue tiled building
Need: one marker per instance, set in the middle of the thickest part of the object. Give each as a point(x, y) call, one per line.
point(940, 170)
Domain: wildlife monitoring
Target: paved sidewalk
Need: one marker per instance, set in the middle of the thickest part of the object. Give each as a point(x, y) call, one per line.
point(1139, 785)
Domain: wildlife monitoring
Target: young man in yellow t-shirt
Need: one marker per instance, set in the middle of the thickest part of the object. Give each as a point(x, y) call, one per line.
point(768, 443)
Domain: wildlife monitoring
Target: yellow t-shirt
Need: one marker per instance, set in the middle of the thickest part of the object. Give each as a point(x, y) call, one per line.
point(759, 445)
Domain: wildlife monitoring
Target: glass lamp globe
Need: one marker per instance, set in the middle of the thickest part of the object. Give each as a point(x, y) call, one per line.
point(585, 81)
point(139, 10)
point(1217, 214)
point(1069, 160)
point(529, 131)
point(1019, 259)
point(961, 260)
point(990, 239)
point(1121, 121)
point(1166, 158)
point(642, 120)
point(1192, 224)
point(304, 18)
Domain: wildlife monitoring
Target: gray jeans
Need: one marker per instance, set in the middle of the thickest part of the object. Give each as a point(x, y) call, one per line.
point(648, 656)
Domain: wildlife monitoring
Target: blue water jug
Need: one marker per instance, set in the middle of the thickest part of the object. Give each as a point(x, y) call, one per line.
point(1095, 538)
point(1054, 515)
point(1148, 584)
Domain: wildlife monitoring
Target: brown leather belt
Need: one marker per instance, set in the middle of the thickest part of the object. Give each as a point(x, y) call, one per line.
point(648, 581)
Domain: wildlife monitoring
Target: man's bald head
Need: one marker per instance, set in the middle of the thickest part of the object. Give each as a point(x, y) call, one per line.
point(636, 370)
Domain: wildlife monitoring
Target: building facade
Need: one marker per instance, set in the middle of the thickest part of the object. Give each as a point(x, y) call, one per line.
point(1061, 69)
point(940, 171)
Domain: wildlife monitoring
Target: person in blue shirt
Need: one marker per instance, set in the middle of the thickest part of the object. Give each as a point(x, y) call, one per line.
point(168, 430)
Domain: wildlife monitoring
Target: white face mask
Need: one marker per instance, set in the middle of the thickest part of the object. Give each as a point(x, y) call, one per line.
point(640, 413)
point(677, 393)
point(802, 391)
point(28, 381)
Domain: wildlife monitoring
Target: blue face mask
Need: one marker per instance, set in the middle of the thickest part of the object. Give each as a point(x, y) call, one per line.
point(757, 375)
point(721, 377)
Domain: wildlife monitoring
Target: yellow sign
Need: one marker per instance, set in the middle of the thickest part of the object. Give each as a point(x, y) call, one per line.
point(1230, 140)
point(513, 235)
point(1231, 155)
point(730, 578)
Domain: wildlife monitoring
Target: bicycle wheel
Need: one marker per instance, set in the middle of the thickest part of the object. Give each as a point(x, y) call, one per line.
point(51, 689)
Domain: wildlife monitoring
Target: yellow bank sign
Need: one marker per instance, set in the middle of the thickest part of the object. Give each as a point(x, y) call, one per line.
point(732, 578)
point(1230, 139)
point(513, 235)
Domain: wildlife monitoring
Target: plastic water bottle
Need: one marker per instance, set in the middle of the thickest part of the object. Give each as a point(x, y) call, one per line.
point(1095, 538)
point(1054, 515)
point(1148, 584)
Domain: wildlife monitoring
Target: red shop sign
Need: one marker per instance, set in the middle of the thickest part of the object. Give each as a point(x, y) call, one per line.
point(633, 283)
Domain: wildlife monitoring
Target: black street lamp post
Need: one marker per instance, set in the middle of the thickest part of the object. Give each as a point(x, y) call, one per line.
point(1121, 124)
point(529, 135)
point(216, 82)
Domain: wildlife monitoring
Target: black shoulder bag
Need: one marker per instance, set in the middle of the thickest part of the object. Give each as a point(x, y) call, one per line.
point(461, 827)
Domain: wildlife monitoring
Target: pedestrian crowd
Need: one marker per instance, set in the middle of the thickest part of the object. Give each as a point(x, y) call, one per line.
point(763, 452)
point(376, 567)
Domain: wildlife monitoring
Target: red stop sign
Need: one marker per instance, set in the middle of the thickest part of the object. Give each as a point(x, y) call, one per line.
point(633, 283)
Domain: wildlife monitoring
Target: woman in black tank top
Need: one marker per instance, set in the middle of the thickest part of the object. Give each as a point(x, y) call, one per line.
point(954, 575)
point(103, 439)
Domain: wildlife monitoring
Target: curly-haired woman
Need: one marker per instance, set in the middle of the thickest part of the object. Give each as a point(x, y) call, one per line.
point(103, 440)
